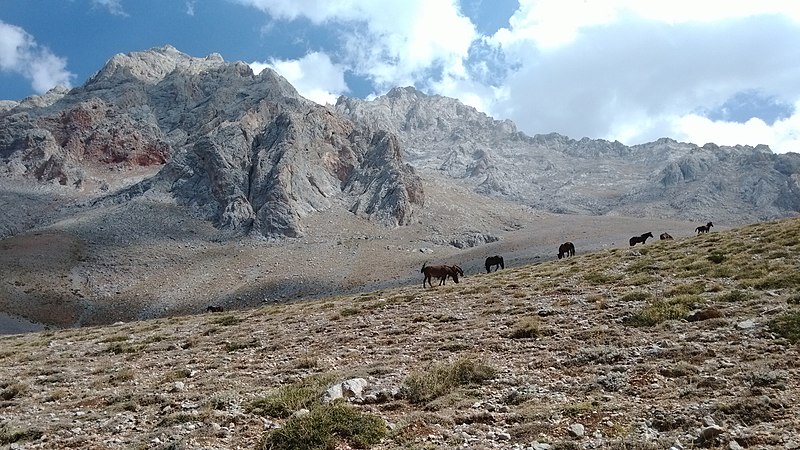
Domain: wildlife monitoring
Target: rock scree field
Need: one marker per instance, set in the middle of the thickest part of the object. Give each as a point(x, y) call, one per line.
point(687, 343)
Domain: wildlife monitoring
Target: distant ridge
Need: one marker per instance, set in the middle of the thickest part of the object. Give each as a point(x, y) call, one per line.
point(664, 178)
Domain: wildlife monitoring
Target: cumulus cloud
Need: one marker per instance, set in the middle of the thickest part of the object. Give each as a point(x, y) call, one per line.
point(19, 53)
point(314, 76)
point(616, 69)
point(392, 42)
point(638, 79)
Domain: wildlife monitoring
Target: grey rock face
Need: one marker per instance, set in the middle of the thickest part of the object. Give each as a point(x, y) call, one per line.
point(242, 150)
point(664, 178)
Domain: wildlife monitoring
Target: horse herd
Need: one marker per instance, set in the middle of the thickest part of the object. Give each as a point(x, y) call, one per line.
point(442, 272)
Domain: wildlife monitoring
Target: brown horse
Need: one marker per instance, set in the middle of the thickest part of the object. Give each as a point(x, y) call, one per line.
point(665, 237)
point(566, 249)
point(453, 270)
point(640, 239)
point(704, 228)
point(440, 272)
point(496, 261)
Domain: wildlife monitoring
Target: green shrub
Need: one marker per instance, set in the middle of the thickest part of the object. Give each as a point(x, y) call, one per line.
point(284, 401)
point(693, 288)
point(10, 434)
point(323, 426)
point(787, 326)
point(422, 387)
point(655, 313)
point(525, 328)
point(735, 296)
point(635, 296)
point(9, 392)
point(227, 320)
point(640, 279)
point(600, 278)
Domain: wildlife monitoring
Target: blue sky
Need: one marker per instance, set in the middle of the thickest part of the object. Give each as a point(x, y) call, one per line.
point(722, 71)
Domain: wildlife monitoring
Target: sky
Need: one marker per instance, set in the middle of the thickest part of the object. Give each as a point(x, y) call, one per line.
point(721, 71)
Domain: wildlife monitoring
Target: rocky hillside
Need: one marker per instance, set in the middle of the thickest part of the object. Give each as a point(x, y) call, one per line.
point(690, 343)
point(243, 151)
point(167, 183)
point(559, 174)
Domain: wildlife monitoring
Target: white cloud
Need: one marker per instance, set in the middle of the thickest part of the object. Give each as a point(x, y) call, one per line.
point(636, 79)
point(392, 42)
point(629, 70)
point(113, 6)
point(190, 7)
point(19, 53)
point(553, 23)
point(314, 76)
point(782, 136)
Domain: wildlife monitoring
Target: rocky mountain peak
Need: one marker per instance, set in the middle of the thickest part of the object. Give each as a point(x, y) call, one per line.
point(245, 151)
point(151, 66)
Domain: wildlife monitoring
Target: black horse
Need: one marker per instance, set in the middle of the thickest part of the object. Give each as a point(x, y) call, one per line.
point(566, 249)
point(704, 228)
point(640, 239)
point(496, 261)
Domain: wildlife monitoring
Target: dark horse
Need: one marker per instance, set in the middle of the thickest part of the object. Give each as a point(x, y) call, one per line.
point(566, 249)
point(440, 272)
point(704, 228)
point(665, 236)
point(453, 269)
point(496, 261)
point(640, 239)
point(215, 309)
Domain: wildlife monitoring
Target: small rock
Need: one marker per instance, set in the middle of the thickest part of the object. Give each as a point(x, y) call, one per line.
point(576, 430)
point(709, 421)
point(301, 413)
point(746, 324)
point(178, 386)
point(709, 433)
point(733, 445)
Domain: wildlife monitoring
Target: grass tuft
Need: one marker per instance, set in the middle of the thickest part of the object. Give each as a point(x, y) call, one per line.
point(441, 379)
point(288, 399)
point(525, 328)
point(787, 326)
point(322, 428)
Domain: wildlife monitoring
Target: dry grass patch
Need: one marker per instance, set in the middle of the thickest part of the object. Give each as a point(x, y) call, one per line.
point(441, 379)
point(787, 326)
point(324, 428)
point(526, 328)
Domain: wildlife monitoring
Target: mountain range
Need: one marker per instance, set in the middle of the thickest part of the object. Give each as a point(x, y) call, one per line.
point(159, 147)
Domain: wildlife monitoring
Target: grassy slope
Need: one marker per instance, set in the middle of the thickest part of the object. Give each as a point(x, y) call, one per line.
point(599, 339)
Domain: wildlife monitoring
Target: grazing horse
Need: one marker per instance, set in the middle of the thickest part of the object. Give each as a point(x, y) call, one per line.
point(440, 272)
point(640, 239)
point(665, 237)
point(215, 309)
point(704, 228)
point(453, 270)
point(566, 249)
point(496, 261)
